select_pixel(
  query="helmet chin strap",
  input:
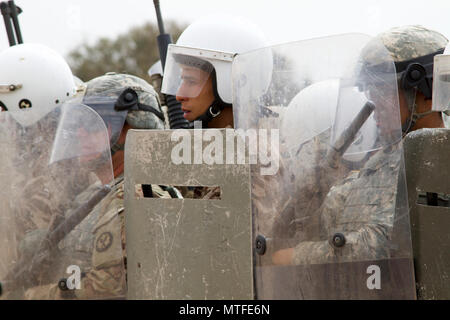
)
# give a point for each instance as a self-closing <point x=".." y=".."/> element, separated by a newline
<point x="117" y="147"/>
<point x="411" y="122"/>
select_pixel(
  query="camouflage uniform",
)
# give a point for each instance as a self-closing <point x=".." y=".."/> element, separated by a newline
<point x="104" y="229"/>
<point x="206" y="193"/>
<point x="106" y="277"/>
<point x="47" y="199"/>
<point x="310" y="184"/>
<point x="35" y="185"/>
<point x="362" y="208"/>
<point x="313" y="182"/>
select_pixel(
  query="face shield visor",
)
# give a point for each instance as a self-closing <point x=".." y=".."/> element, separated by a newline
<point x="441" y="83"/>
<point x="112" y="106"/>
<point x="188" y="70"/>
<point x="81" y="134"/>
<point x="379" y="84"/>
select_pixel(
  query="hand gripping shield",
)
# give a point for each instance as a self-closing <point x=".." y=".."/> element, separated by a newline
<point x="333" y="222"/>
<point x="56" y="184"/>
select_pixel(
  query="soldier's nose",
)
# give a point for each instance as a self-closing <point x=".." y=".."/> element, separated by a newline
<point x="181" y="98"/>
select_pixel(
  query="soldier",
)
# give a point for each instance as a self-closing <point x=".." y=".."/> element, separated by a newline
<point x="362" y="217"/>
<point x="198" y="67"/>
<point x="415" y="108"/>
<point x="49" y="197"/>
<point x="198" y="73"/>
<point x="124" y="102"/>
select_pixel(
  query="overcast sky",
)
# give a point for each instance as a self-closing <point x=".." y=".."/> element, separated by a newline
<point x="64" y="24"/>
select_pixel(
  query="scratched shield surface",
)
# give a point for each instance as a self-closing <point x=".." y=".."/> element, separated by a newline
<point x="55" y="189"/>
<point x="186" y="248"/>
<point x="333" y="222"/>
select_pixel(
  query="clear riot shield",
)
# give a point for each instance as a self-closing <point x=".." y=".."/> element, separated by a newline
<point x="332" y="222"/>
<point x="56" y="177"/>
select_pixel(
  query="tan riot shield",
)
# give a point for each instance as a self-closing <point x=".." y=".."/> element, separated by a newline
<point x="58" y="177"/>
<point x="428" y="177"/>
<point x="332" y="222"/>
<point x="187" y="248"/>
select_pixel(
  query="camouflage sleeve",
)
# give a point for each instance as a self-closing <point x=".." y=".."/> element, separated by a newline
<point x="367" y="243"/>
<point x="45" y="292"/>
<point x="161" y="191"/>
<point x="44" y="199"/>
<point x="313" y="176"/>
<point x="206" y="193"/>
<point x="362" y="210"/>
<point x="311" y="181"/>
<point x="156" y="82"/>
<point x="35" y="211"/>
<point x="107" y="278"/>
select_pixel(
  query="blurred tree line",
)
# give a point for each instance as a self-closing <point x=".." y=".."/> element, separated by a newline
<point x="133" y="52"/>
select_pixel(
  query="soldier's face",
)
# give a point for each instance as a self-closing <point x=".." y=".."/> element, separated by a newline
<point x="386" y="112"/>
<point x="195" y="92"/>
<point x="92" y="144"/>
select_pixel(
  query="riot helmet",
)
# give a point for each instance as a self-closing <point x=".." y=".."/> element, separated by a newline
<point x="206" y="50"/>
<point x="120" y="98"/>
<point x="34" y="80"/>
<point x="413" y="49"/>
<point x="313" y="111"/>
